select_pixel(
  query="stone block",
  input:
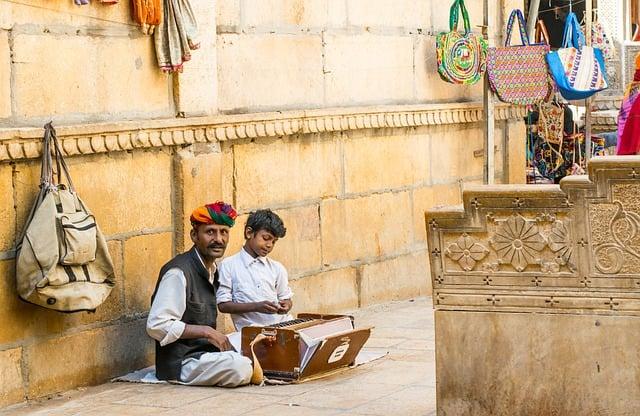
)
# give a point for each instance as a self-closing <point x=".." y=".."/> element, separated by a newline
<point x="429" y="87"/>
<point x="285" y="13"/>
<point x="538" y="364"/>
<point x="258" y="72"/>
<point x="400" y="278"/>
<point x="22" y="16"/>
<point x="300" y="250"/>
<point x="236" y="236"/>
<point x="126" y="192"/>
<point x="516" y="130"/>
<point x="34" y="321"/>
<point x="227" y="14"/>
<point x="5" y="75"/>
<point x="228" y="186"/>
<point x="198" y="177"/>
<point x="385" y="159"/>
<point x="196" y="87"/>
<point x="361" y="69"/>
<point x="7" y="211"/>
<point x="430" y="197"/>
<point x="452" y="145"/>
<point x="440" y="16"/>
<point x="87" y="358"/>
<point x="328" y="292"/>
<point x="11" y="388"/>
<point x="100" y="77"/>
<point x="282" y="171"/>
<point x="143" y="257"/>
<point x="409" y="14"/>
<point x="365" y="228"/>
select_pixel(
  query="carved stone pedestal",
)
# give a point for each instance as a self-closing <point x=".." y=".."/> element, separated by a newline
<point x="537" y="296"/>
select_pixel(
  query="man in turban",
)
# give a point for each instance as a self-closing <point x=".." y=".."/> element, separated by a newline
<point x="182" y="319"/>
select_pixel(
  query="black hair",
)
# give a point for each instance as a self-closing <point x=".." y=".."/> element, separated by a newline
<point x="265" y="219"/>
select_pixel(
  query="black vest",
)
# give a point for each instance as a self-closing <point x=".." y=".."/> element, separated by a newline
<point x="201" y="309"/>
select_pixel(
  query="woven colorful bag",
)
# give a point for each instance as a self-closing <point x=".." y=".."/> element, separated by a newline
<point x="462" y="57"/>
<point x="578" y="69"/>
<point x="518" y="74"/>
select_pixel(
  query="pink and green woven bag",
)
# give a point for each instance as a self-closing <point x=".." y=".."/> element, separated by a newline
<point x="518" y="74"/>
<point x="461" y="56"/>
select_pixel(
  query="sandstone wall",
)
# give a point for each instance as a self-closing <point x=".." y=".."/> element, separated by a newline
<point x="85" y="64"/>
<point x="352" y="198"/>
<point x="351" y="154"/>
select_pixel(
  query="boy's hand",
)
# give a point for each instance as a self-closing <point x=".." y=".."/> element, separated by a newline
<point x="266" y="307"/>
<point x="284" y="306"/>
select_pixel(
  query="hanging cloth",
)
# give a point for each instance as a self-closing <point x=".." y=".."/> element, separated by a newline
<point x="175" y="37"/>
<point x="629" y="117"/>
<point x="147" y="14"/>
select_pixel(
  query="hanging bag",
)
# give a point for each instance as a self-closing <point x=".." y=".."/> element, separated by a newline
<point x="461" y="56"/>
<point x="518" y="74"/>
<point x="551" y="122"/>
<point x="62" y="259"/>
<point x="577" y="69"/>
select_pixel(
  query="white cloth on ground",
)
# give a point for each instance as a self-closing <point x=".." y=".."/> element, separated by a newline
<point x="245" y="279"/>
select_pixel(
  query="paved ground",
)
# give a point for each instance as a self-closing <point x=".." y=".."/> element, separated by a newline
<point x="403" y="383"/>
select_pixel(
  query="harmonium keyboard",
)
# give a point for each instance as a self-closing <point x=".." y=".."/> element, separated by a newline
<point x="307" y="347"/>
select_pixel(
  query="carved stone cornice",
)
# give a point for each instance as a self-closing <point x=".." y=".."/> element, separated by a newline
<point x="24" y="143"/>
<point x="573" y="248"/>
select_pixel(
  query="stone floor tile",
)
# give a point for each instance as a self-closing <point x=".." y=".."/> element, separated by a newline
<point x="374" y="342"/>
<point x="408" y="401"/>
<point x="227" y="404"/>
<point x="401" y="333"/>
<point x="280" y="409"/>
<point x="343" y="395"/>
<point x="171" y="396"/>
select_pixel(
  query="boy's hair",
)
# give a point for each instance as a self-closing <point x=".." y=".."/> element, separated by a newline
<point x="265" y="219"/>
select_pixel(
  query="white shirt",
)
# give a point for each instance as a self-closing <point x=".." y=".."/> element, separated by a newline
<point x="163" y="323"/>
<point x="244" y="279"/>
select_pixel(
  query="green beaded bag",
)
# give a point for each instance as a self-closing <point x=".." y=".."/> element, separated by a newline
<point x="462" y="57"/>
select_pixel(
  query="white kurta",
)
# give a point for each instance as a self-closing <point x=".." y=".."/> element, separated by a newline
<point x="227" y="369"/>
<point x="245" y="279"/>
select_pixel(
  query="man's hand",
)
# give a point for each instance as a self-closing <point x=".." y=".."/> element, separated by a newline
<point x="266" y="307"/>
<point x="218" y="339"/>
<point x="284" y="306"/>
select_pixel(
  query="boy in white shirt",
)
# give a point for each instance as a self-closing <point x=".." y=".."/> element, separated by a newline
<point x="254" y="289"/>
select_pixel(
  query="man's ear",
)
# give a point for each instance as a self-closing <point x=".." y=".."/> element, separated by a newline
<point x="248" y="233"/>
<point x="194" y="234"/>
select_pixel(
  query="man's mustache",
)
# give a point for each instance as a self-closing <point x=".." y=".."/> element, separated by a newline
<point x="216" y="246"/>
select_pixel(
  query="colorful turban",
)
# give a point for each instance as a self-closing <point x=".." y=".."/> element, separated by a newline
<point x="217" y="213"/>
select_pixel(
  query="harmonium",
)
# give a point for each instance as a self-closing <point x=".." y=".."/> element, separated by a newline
<point x="310" y="346"/>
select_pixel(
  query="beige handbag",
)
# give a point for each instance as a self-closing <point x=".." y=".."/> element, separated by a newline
<point x="62" y="259"/>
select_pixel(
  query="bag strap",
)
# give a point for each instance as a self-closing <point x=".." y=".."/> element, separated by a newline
<point x="61" y="164"/>
<point x="517" y="13"/>
<point x="453" y="17"/>
<point x="572" y="33"/>
<point x="542" y="35"/>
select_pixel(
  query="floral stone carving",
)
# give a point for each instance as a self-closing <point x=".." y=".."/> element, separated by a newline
<point x="560" y="243"/>
<point x="624" y="226"/>
<point x="518" y="242"/>
<point x="466" y="252"/>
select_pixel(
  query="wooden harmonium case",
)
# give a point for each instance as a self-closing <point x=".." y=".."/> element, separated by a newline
<point x="307" y="347"/>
